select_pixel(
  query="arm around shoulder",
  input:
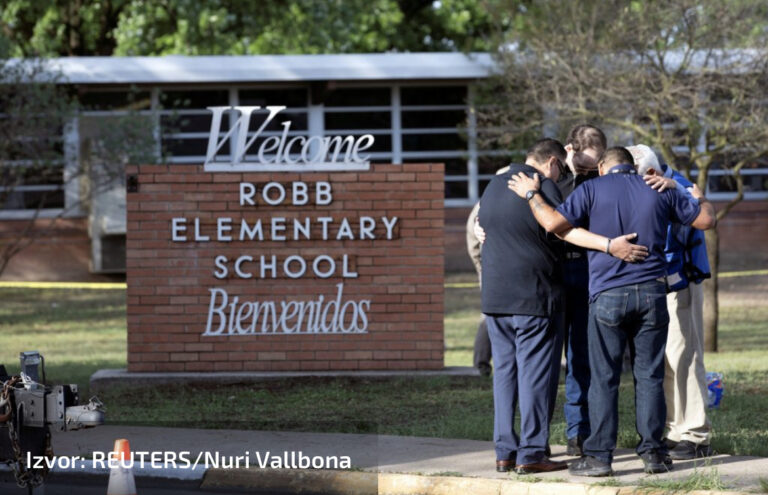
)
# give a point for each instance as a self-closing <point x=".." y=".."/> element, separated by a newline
<point x="550" y="219"/>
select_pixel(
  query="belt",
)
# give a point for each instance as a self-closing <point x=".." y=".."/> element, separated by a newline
<point x="573" y="255"/>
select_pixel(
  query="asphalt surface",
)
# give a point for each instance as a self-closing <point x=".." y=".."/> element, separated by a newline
<point x="382" y="453"/>
<point x="448" y="461"/>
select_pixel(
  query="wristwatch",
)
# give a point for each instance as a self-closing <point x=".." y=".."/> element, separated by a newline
<point x="530" y="194"/>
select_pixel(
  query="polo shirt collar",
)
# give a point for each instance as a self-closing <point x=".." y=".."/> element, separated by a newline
<point x="624" y="168"/>
<point x="667" y="170"/>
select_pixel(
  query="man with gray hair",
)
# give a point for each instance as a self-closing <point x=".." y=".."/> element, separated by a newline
<point x="685" y="386"/>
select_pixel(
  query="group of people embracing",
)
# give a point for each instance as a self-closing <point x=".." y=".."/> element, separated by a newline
<point x="597" y="249"/>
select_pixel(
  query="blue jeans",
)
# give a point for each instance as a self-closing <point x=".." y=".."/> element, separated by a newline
<point x="577" y="358"/>
<point x="634" y="314"/>
<point x="522" y="348"/>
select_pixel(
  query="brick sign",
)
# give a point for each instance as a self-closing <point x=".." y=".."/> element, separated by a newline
<point x="251" y="271"/>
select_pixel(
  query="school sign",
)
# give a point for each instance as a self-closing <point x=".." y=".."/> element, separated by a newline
<point x="284" y="252"/>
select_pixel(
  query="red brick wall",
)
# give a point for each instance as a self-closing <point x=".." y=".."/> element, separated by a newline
<point x="58" y="250"/>
<point x="168" y="282"/>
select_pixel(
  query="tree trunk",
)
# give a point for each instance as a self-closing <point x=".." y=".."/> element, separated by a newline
<point x="711" y="308"/>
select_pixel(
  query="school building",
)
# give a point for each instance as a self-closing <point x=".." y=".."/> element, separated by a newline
<point x="419" y="107"/>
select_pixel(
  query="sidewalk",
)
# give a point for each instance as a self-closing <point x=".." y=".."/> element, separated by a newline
<point x="467" y="465"/>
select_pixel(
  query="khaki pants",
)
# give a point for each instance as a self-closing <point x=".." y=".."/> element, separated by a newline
<point x="685" y="385"/>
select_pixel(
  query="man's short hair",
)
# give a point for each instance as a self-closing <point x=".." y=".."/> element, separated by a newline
<point x="544" y="148"/>
<point x="617" y="156"/>
<point x="645" y="159"/>
<point x="585" y="136"/>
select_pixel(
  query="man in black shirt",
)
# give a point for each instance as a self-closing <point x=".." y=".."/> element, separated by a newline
<point x="521" y="292"/>
<point x="584" y="146"/>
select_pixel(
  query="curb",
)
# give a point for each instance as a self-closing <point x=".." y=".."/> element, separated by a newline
<point x="329" y="482"/>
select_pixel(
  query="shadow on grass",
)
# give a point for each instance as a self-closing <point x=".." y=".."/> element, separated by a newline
<point x="92" y="311"/>
<point x="456" y="407"/>
<point x="42" y="308"/>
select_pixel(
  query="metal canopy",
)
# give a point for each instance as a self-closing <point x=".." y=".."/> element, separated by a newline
<point x="272" y="68"/>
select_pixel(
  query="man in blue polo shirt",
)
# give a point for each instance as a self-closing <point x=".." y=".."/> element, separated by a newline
<point x="627" y="300"/>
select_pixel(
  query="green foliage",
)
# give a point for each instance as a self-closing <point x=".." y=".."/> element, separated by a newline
<point x="233" y="27"/>
<point x="528" y="478"/>
<point x="608" y="482"/>
<point x="698" y="480"/>
<point x="447" y="474"/>
<point x="763" y="485"/>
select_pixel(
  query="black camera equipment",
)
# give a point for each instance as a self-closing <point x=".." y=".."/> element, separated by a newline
<point x="30" y="410"/>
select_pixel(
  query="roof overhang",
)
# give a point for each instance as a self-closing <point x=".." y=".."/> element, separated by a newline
<point x="272" y="68"/>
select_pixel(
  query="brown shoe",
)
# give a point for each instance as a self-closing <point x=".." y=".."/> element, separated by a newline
<point x="505" y="466"/>
<point x="543" y="466"/>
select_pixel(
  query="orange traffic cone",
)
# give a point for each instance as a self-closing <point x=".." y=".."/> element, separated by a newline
<point x="121" y="480"/>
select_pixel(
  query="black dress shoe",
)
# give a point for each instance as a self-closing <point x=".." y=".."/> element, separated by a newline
<point x="543" y="466"/>
<point x="506" y="465"/>
<point x="574" y="446"/>
<point x="590" y="466"/>
<point x="655" y="462"/>
<point x="671" y="444"/>
<point x="687" y="450"/>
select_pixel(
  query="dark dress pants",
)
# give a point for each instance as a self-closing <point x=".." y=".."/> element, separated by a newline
<point x="634" y="314"/>
<point x="522" y="348"/>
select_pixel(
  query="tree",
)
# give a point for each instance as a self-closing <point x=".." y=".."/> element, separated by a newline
<point x="36" y="111"/>
<point x="687" y="78"/>
<point x="33" y="115"/>
<point x="234" y="27"/>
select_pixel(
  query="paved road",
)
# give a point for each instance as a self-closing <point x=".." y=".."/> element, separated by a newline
<point x="465" y="460"/>
<point x="386" y="453"/>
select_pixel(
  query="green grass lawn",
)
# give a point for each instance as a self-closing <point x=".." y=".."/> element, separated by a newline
<point x="80" y="331"/>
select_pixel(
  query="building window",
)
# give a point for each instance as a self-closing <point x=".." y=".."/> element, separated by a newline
<point x="32" y="187"/>
<point x="436" y="129"/>
<point x="32" y="176"/>
<point x="185" y="123"/>
<point x="722" y="184"/>
<point x="354" y="111"/>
